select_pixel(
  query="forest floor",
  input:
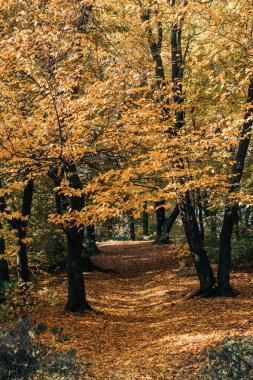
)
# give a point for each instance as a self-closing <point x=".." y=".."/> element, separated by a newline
<point x="143" y="325"/>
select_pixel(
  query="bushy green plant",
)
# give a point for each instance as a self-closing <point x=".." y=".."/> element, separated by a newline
<point x="17" y="298"/>
<point x="49" y="254"/>
<point x="242" y="248"/>
<point x="234" y="361"/>
<point x="22" y="357"/>
<point x="212" y="244"/>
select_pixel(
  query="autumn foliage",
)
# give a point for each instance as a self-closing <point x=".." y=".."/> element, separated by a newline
<point x="118" y="113"/>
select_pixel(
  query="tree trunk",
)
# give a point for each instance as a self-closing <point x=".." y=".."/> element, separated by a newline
<point x="75" y="238"/>
<point x="145" y="221"/>
<point x="155" y="45"/>
<point x="89" y="266"/>
<point x="22" y="259"/>
<point x="92" y="248"/>
<point x="160" y="221"/>
<point x="237" y="219"/>
<point x="224" y="287"/>
<point x="155" y="38"/>
<point x="131" y="228"/>
<point x="187" y="211"/>
<point x="2" y="244"/>
<point x="76" y="288"/>
<point x="87" y="263"/>
<point x="168" y="225"/>
<point x="200" y="215"/>
<point x="4" y="277"/>
<point x="4" y="271"/>
<point x="198" y="252"/>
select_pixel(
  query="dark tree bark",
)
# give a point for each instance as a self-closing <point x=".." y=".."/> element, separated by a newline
<point x="21" y="227"/>
<point x="177" y="71"/>
<point x="160" y="220"/>
<point x="237" y="219"/>
<point x="92" y="248"/>
<point x="187" y="211"/>
<point x="200" y="215"/>
<point x="89" y="266"/>
<point x="210" y="216"/>
<point x="224" y="287"/>
<point x="155" y="45"/>
<point x="145" y="226"/>
<point x="77" y="301"/>
<point x="172" y="218"/>
<point x="4" y="277"/>
<point x="75" y="238"/>
<point x="22" y="258"/>
<point x="4" y="271"/>
<point x="163" y="224"/>
<point x="131" y="228"/>
<point x="2" y="244"/>
<point x="76" y="288"/>
<point x="84" y="19"/>
<point x="155" y="39"/>
<point x="197" y="249"/>
<point x="169" y="222"/>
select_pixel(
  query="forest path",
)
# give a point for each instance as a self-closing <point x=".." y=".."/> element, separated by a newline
<point x="144" y="326"/>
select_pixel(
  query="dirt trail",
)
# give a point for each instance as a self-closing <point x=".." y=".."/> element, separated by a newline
<point x="144" y="326"/>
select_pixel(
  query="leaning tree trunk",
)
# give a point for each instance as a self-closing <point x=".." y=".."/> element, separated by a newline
<point x="195" y="242"/>
<point x="187" y="211"/>
<point x="237" y="220"/>
<point x="165" y="239"/>
<point x="224" y="287"/>
<point x="200" y="215"/>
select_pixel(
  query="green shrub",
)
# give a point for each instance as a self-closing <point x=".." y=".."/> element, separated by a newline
<point x="16" y="298"/>
<point x="242" y="248"/>
<point x="49" y="253"/>
<point x="21" y="357"/>
<point x="234" y="361"/>
<point x="212" y="244"/>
